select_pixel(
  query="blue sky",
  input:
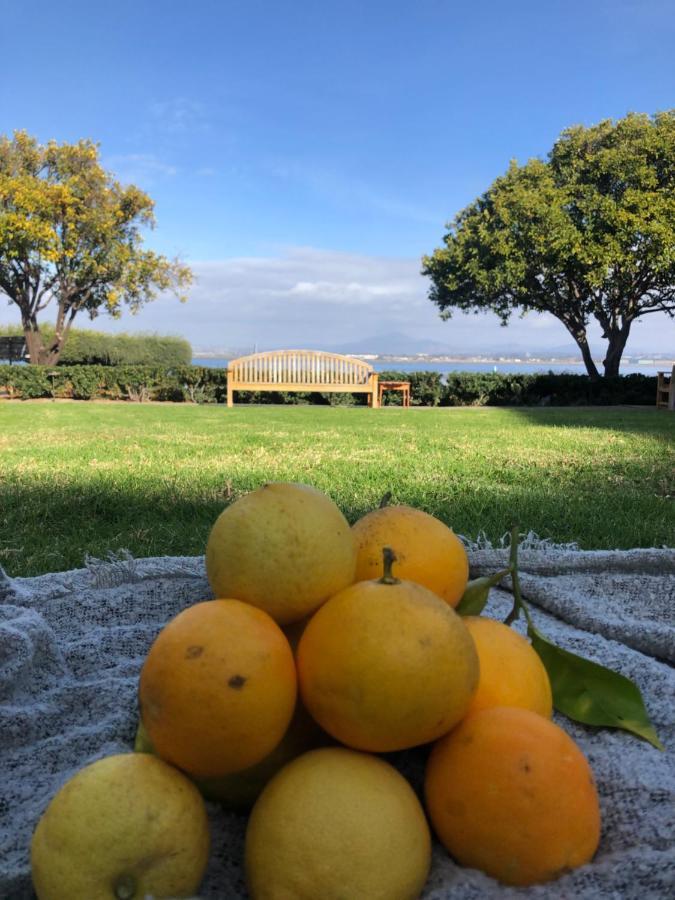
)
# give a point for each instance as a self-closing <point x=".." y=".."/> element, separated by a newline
<point x="303" y="155"/>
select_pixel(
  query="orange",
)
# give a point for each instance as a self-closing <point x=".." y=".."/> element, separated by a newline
<point x="240" y="790"/>
<point x="335" y="824"/>
<point x="511" y="672"/>
<point x="285" y="548"/>
<point x="383" y="666"/>
<point x="510" y="793"/>
<point x="427" y="551"/>
<point x="218" y="688"/>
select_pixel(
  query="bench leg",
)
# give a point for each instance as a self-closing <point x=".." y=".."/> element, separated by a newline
<point x="230" y="396"/>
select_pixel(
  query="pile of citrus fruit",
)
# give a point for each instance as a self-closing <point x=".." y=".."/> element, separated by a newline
<point x="325" y="646"/>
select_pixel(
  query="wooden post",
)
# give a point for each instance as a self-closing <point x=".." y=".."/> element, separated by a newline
<point x="375" y="394"/>
<point x="230" y="391"/>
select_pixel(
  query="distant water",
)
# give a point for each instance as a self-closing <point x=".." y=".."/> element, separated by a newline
<point x="503" y="368"/>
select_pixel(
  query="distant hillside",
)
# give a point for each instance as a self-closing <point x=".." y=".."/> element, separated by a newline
<point x="392" y="344"/>
<point x="397" y="343"/>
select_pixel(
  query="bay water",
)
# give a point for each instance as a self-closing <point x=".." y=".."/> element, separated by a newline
<point x="504" y="368"/>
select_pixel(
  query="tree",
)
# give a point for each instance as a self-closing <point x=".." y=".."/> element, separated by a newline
<point x="590" y="232"/>
<point x="70" y="238"/>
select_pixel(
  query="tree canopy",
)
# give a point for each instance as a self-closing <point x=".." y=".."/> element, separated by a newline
<point x="587" y="233"/>
<point x="70" y="238"/>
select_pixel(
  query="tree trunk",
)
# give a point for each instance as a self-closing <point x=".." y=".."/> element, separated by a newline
<point x="34" y="343"/>
<point x="582" y="343"/>
<point x="38" y="353"/>
<point x="616" y="344"/>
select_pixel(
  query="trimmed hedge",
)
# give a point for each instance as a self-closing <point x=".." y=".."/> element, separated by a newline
<point x="84" y="347"/>
<point x="198" y="384"/>
<point x="426" y="388"/>
<point x="495" y="389"/>
<point x="203" y="384"/>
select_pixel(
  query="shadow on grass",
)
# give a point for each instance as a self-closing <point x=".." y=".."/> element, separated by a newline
<point x="648" y="421"/>
<point x="49" y="528"/>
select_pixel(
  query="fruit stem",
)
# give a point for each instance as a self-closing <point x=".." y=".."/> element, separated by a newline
<point x="388" y="558"/>
<point x="125" y="887"/>
<point x="385" y="500"/>
<point x="518" y="602"/>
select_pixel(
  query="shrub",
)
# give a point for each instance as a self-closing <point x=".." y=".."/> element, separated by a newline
<point x="495" y="389"/>
<point x="426" y="388"/>
<point x="202" y="384"/>
<point x="85" y="347"/>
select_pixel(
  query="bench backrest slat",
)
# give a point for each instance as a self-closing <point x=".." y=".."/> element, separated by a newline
<point x="299" y="367"/>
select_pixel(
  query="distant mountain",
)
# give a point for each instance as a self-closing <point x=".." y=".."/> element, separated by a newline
<point x="523" y="351"/>
<point x="393" y="344"/>
<point x="397" y="343"/>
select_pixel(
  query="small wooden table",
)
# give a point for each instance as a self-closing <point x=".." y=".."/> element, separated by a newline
<point x="402" y="386"/>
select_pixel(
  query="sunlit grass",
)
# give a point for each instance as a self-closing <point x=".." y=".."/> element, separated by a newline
<point x="86" y="478"/>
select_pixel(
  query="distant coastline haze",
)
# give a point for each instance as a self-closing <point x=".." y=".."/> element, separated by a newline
<point x="319" y="299"/>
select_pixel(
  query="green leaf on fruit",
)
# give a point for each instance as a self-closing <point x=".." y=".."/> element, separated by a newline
<point x="477" y="592"/>
<point x="583" y="690"/>
<point x="592" y="694"/>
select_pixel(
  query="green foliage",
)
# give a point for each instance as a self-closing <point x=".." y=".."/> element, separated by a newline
<point x="197" y="384"/>
<point x="70" y="235"/>
<point x="92" y="347"/>
<point x="583" y="690"/>
<point x="477" y="593"/>
<point x="426" y="388"/>
<point x="495" y="389"/>
<point x="587" y="692"/>
<point x="589" y="233"/>
<point x="87" y="347"/>
<point x="203" y="384"/>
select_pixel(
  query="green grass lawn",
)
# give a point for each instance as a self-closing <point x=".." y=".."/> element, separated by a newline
<point x="87" y="478"/>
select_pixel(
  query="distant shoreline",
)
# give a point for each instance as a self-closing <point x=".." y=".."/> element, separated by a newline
<point x="418" y="359"/>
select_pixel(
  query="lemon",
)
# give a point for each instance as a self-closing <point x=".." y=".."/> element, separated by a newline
<point x="284" y="548"/>
<point x="336" y="824"/>
<point x="126" y="826"/>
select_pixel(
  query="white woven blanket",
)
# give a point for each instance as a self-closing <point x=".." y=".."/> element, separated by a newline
<point x="72" y="645"/>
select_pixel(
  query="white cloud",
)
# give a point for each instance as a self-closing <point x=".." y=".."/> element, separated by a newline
<point x="307" y="297"/>
<point x="542" y="322"/>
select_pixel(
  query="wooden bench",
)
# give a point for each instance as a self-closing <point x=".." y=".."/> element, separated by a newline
<point x="13" y="349"/>
<point x="665" y="390"/>
<point x="301" y="370"/>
